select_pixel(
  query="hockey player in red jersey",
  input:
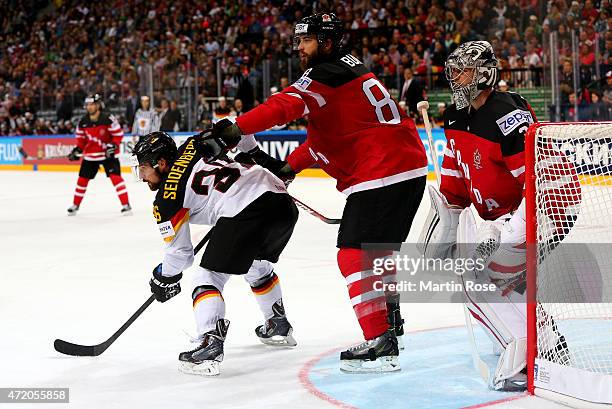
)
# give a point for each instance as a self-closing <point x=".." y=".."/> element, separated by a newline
<point x="484" y="166"/>
<point x="358" y="135"/>
<point x="98" y="136"/>
<point x="253" y="219"/>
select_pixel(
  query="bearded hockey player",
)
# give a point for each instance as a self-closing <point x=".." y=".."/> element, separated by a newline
<point x="253" y="219"/>
<point x="484" y="166"/>
<point x="358" y="135"/>
<point x="98" y="136"/>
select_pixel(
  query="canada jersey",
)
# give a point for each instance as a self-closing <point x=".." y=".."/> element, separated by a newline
<point x="484" y="159"/>
<point x="93" y="136"/>
<point x="356" y="131"/>
<point x="199" y="192"/>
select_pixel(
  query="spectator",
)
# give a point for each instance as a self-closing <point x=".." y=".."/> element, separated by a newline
<point x="411" y="92"/>
<point x="64" y="108"/>
<point x="131" y="105"/>
<point x="238" y="110"/>
<point x="607" y="90"/>
<point x="438" y="117"/>
<point x="221" y="111"/>
<point x="566" y="83"/>
<point x="169" y="118"/>
<point x="599" y="111"/>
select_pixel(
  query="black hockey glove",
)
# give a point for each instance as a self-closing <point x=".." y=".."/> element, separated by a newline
<point x="227" y="132"/>
<point x="109" y="150"/>
<point x="278" y="167"/>
<point x="164" y="288"/>
<point x="75" y="153"/>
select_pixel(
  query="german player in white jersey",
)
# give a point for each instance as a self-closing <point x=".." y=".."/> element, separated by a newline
<point x="484" y="166"/>
<point x="253" y="219"/>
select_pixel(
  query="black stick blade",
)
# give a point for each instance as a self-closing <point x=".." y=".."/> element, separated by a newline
<point x="68" y="348"/>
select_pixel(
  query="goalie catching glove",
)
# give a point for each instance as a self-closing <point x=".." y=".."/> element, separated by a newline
<point x="499" y="244"/>
<point x="164" y="287"/>
<point x="439" y="234"/>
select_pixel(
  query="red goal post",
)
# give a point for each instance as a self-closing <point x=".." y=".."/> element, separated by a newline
<point x="568" y="182"/>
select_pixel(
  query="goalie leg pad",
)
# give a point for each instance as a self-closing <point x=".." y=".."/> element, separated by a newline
<point x="440" y="229"/>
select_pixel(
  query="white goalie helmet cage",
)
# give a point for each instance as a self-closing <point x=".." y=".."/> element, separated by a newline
<point x="473" y="55"/>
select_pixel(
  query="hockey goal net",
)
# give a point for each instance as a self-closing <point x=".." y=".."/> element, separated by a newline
<point x="569" y="262"/>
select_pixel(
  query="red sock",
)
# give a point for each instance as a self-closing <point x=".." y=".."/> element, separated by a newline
<point x="80" y="190"/>
<point x="119" y="184"/>
<point x="369" y="304"/>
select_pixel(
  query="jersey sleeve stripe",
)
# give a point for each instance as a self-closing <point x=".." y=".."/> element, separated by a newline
<point x="450" y="172"/>
<point x="317" y="97"/>
<point x="180" y="218"/>
<point x="306" y="110"/>
<point x="517" y="172"/>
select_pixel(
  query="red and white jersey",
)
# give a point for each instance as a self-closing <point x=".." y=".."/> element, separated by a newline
<point x="356" y="131"/>
<point x="199" y="192"/>
<point x="484" y="159"/>
<point x="92" y="137"/>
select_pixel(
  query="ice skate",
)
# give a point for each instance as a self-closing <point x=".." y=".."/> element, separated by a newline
<point x="376" y="355"/>
<point x="395" y="319"/>
<point x="276" y="331"/>
<point x="126" y="209"/>
<point x="72" y="210"/>
<point x="205" y="359"/>
<point x="516" y="383"/>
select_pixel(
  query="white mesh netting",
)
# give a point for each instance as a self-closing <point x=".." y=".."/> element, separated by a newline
<point x="573" y="207"/>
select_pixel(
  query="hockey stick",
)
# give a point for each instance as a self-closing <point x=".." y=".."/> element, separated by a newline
<point x="25" y="155"/>
<point x="481" y="367"/>
<point x="315" y="213"/>
<point x="68" y="348"/>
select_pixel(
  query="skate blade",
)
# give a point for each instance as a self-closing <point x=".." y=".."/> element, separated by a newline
<point x="380" y="365"/>
<point x="280" y="340"/>
<point x="400" y="342"/>
<point x="127" y="213"/>
<point x="206" y="368"/>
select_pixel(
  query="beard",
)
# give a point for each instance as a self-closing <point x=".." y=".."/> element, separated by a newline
<point x="309" y="61"/>
<point x="154" y="186"/>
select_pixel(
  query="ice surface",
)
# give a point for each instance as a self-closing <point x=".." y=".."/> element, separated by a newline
<point x="79" y="278"/>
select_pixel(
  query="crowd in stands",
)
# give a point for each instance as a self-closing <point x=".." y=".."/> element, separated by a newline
<point x="56" y="52"/>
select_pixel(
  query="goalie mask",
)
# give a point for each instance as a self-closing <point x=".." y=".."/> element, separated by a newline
<point x="470" y="69"/>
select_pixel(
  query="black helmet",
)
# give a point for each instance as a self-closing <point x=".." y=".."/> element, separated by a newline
<point x="150" y="148"/>
<point x="324" y="25"/>
<point x="94" y="99"/>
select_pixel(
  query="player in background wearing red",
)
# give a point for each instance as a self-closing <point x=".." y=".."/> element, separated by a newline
<point x="484" y="166"/>
<point x="98" y="136"/>
<point x="358" y="135"/>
